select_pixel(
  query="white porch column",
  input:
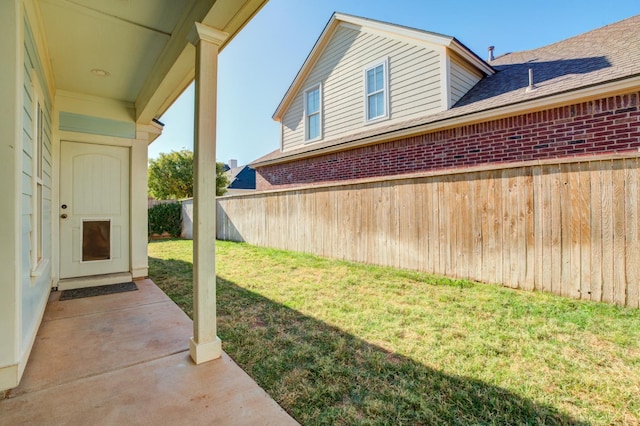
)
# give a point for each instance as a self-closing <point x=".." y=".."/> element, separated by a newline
<point x="205" y="344"/>
<point x="145" y="134"/>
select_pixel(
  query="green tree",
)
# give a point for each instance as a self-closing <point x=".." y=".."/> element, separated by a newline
<point x="222" y="181"/>
<point x="171" y="176"/>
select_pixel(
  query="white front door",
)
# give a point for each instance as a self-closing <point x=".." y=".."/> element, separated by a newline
<point x="94" y="209"/>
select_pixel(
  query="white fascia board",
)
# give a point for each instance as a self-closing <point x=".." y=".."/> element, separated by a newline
<point x="417" y="35"/>
<point x="306" y="67"/>
<point x="445" y="79"/>
<point x="470" y="57"/>
<point x="386" y="29"/>
<point x="394" y="30"/>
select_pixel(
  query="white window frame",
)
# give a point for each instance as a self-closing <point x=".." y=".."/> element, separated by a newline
<point x="317" y="86"/>
<point x="385" y="69"/>
<point x="38" y="261"/>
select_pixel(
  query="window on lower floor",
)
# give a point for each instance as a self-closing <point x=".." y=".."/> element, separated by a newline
<point x="37" y="179"/>
<point x="39" y="145"/>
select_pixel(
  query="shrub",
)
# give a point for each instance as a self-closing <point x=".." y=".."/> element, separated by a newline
<point x="165" y="218"/>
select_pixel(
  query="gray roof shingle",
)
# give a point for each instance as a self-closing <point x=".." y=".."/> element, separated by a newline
<point x="595" y="57"/>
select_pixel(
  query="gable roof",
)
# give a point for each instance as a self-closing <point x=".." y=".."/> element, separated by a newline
<point x="601" y="61"/>
<point x="243" y="177"/>
<point x="337" y="19"/>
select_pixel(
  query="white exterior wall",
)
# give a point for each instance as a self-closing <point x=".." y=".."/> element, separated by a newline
<point x="26" y="283"/>
<point x="463" y="78"/>
<point x="24" y="288"/>
<point x="414" y="75"/>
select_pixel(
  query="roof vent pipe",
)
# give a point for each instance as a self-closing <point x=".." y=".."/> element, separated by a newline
<point x="491" y="58"/>
<point x="531" y="86"/>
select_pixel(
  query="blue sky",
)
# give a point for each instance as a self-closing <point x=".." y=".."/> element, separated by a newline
<point x="257" y="67"/>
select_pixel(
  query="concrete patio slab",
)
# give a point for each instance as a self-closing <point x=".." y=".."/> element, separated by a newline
<point x="170" y="390"/>
<point x="123" y="359"/>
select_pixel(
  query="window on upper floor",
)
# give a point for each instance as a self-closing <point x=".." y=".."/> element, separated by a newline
<point x="313" y="113"/>
<point x="376" y="91"/>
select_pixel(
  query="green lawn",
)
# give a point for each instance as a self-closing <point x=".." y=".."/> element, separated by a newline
<point x="343" y="343"/>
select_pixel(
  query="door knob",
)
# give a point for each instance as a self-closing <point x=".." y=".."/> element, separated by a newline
<point x="63" y="216"/>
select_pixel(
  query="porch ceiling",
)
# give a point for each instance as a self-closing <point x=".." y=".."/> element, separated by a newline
<point x="141" y="44"/>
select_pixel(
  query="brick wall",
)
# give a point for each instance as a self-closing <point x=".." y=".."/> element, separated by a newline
<point x="600" y="126"/>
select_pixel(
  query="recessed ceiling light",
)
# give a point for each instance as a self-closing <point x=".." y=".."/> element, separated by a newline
<point x="100" y="73"/>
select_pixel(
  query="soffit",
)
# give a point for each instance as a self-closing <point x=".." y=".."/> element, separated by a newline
<point x="141" y="44"/>
<point x="121" y="37"/>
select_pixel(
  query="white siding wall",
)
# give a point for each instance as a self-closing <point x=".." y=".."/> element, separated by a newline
<point x="463" y="78"/>
<point x="414" y="73"/>
<point x="34" y="290"/>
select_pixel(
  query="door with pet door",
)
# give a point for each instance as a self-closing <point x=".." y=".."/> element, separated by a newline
<point x="94" y="209"/>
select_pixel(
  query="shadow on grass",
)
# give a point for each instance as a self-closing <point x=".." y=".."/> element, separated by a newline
<point x="322" y="375"/>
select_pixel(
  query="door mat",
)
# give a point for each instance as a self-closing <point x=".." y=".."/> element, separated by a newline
<point x="79" y="293"/>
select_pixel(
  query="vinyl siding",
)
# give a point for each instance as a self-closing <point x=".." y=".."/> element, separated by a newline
<point x="463" y="78"/>
<point x="414" y="76"/>
<point x="34" y="289"/>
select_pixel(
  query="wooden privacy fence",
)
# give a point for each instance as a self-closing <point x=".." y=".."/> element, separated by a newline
<point x="569" y="228"/>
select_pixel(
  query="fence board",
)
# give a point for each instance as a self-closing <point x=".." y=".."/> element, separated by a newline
<point x="507" y="228"/>
<point x="538" y="217"/>
<point x="528" y="282"/>
<point x="556" y="231"/>
<point x="434" y="225"/>
<point x="607" y="233"/>
<point x="632" y="234"/>
<point x="492" y="256"/>
<point x="443" y="226"/>
<point x="584" y="202"/>
<point x="570" y="228"/>
<point x="518" y="255"/>
<point x="619" y="267"/>
<point x="564" y="201"/>
<point x="447" y="226"/>
<point x="512" y="212"/>
<point x="547" y="186"/>
<point x="334" y="225"/>
<point x="476" y="210"/>
<point x="422" y="213"/>
<point x="575" y="230"/>
<point x="462" y="230"/>
<point x="596" y="230"/>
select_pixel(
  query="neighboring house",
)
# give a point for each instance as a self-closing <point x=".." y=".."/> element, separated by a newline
<point x="376" y="99"/>
<point x="242" y="179"/>
<point x="81" y="84"/>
